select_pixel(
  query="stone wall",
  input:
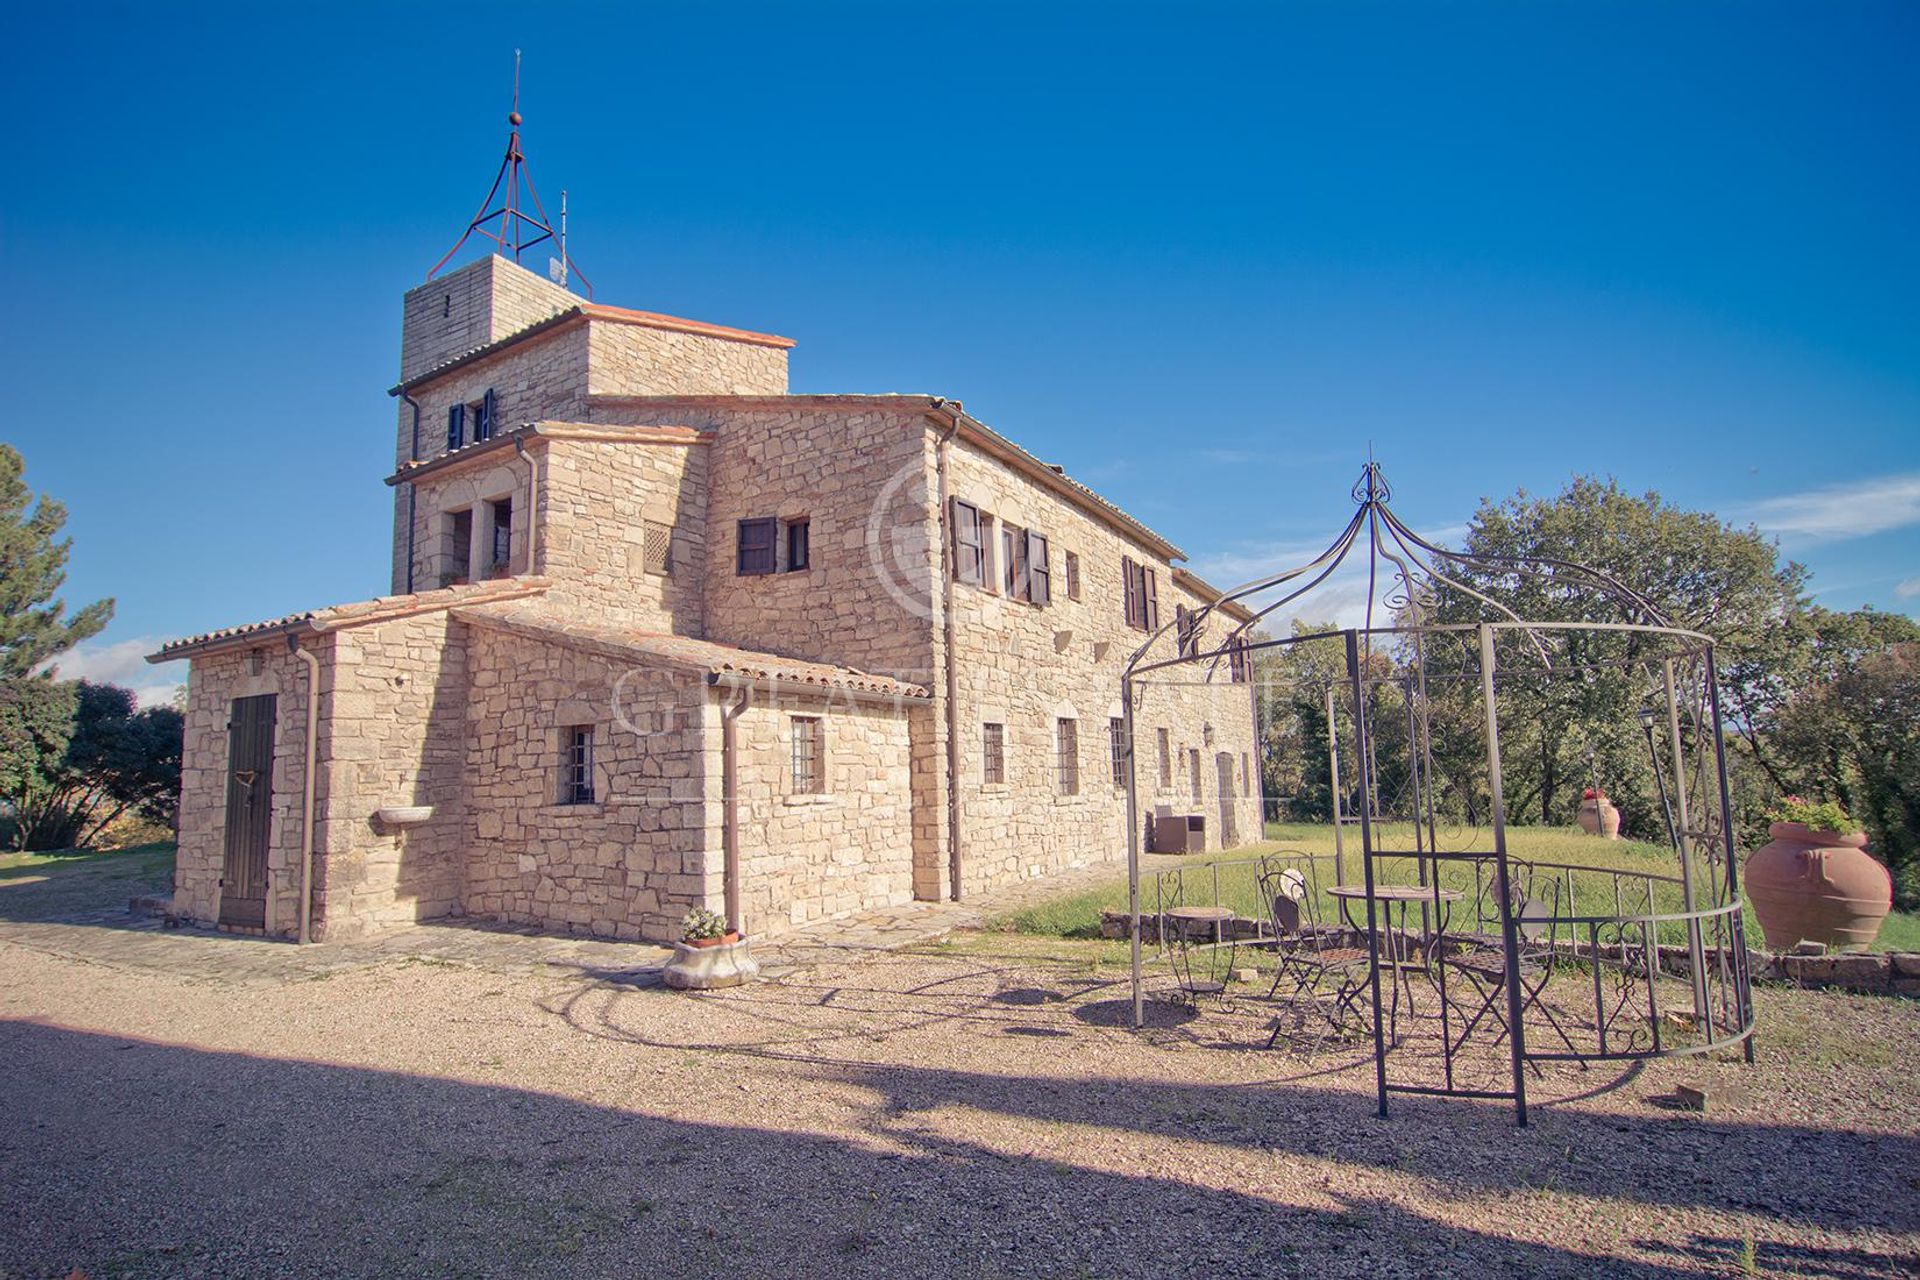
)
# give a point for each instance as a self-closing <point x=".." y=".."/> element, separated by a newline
<point x="634" y="359"/>
<point x="541" y="379"/>
<point x="627" y="865"/>
<point x="809" y="857"/>
<point x="1027" y="668"/>
<point x="396" y="713"/>
<point x="471" y="306"/>
<point x="596" y="501"/>
<point x="213" y="682"/>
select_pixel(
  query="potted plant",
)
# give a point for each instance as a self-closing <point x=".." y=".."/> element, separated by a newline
<point x="709" y="954"/>
<point x="1815" y="881"/>
<point x="1597" y="815"/>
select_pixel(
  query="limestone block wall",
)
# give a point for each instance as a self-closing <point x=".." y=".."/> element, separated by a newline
<point x="1026" y="668"/>
<point x="809" y="857"/>
<point x="861" y="476"/>
<point x="633" y="359"/>
<point x="213" y="682"/>
<point x="596" y="503"/>
<point x="543" y="378"/>
<point x="436" y="497"/>
<point x="475" y="304"/>
<point x="627" y="865"/>
<point x="396" y="715"/>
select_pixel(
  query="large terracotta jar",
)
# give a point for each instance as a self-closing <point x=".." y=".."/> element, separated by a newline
<point x="1599" y="818"/>
<point x="1817" y="886"/>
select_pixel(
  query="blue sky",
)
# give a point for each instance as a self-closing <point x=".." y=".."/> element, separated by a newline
<point x="1206" y="256"/>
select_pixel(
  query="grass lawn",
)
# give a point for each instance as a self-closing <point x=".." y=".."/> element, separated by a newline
<point x="1230" y="879"/>
<point x="36" y="886"/>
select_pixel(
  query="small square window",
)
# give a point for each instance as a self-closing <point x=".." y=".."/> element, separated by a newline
<point x="1073" y="576"/>
<point x="657" y="547"/>
<point x="809" y="761"/>
<point x="798" y="545"/>
<point x="993" y="753"/>
<point x="576" y="765"/>
<point x="1069" y="757"/>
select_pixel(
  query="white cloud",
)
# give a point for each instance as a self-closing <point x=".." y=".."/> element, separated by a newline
<point x="1907" y="590"/>
<point x="123" y="662"/>
<point x="1842" y="510"/>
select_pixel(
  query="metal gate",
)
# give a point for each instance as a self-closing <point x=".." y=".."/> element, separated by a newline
<point x="243" y="884"/>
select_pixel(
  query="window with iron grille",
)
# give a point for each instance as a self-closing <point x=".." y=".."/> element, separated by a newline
<point x="1069" y="753"/>
<point x="756" y="546"/>
<point x="993" y="753"/>
<point x="657" y="547"/>
<point x="969" y="549"/>
<point x="809" y="759"/>
<point x="1166" y="760"/>
<point x="1193" y="768"/>
<point x="1073" y="576"/>
<point x="500" y="554"/>
<point x="576" y="770"/>
<point x="459" y="546"/>
<point x="1117" y="734"/>
<point x="799" y="549"/>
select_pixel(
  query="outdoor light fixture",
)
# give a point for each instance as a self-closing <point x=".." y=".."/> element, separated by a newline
<point x="1649" y="720"/>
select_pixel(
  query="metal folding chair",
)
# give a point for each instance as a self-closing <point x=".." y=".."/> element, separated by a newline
<point x="1308" y="961"/>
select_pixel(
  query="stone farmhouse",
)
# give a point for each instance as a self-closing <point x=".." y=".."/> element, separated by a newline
<point x="664" y="635"/>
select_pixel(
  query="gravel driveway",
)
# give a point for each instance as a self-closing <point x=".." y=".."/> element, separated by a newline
<point x="948" y="1112"/>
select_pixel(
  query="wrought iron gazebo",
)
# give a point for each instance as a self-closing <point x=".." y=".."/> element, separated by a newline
<point x="1642" y="964"/>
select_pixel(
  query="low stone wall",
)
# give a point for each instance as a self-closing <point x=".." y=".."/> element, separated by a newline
<point x="1872" y="972"/>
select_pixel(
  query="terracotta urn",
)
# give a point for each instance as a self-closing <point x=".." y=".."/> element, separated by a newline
<point x="1598" y="817"/>
<point x="1808" y="885"/>
<point x="709" y="963"/>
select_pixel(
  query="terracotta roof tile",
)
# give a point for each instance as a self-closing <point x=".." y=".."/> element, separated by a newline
<point x="358" y="613"/>
<point x="686" y="652"/>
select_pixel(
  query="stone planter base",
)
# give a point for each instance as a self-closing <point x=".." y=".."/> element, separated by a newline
<point x="707" y="968"/>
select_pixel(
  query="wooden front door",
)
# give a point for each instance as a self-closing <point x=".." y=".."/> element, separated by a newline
<point x="1228" y="836"/>
<point x="243" y="883"/>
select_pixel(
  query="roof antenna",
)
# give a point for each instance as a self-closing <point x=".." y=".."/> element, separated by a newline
<point x="507" y="224"/>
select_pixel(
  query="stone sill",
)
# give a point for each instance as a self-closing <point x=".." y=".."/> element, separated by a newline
<point x="811" y="798"/>
<point x="996" y="789"/>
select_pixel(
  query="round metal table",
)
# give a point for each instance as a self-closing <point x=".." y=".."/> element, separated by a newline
<point x="1191" y="920"/>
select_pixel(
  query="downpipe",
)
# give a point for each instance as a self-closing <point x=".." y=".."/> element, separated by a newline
<point x="954" y="850"/>
<point x="312" y="665"/>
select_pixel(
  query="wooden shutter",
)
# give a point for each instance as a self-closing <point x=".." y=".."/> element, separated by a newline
<point x="456" y="426"/>
<point x="1013" y="541"/>
<point x="756" y="546"/>
<point x="1182" y="631"/>
<point x="1039" y="572"/>
<point x="483" y="429"/>
<point x="1151" y="599"/>
<point x="969" y="556"/>
<point x="1129" y="599"/>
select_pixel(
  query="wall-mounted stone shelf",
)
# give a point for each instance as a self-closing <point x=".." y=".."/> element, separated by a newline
<point x="400" y="816"/>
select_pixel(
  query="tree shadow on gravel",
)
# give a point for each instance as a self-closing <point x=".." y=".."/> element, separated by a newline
<point x="131" y="1158"/>
<point x="1830" y="1177"/>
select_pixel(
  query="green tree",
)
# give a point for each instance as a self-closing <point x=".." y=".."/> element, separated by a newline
<point x="1856" y="739"/>
<point x="114" y="759"/>
<point x="33" y="567"/>
<point x="1561" y="727"/>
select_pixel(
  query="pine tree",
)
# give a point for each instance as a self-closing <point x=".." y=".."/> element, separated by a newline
<point x="33" y="567"/>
